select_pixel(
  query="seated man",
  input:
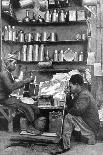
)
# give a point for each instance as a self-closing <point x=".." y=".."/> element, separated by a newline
<point x="82" y="113"/>
<point x="8" y="85"/>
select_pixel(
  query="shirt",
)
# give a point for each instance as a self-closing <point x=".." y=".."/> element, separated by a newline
<point x="84" y="105"/>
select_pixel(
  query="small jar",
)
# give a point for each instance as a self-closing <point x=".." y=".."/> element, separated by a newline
<point x="61" y="56"/>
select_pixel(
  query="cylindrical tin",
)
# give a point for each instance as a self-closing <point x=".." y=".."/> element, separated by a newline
<point x="37" y="36"/>
<point x="35" y="53"/>
<point x="54" y="16"/>
<point x="61" y="16"/>
<point x="47" y="16"/>
<point x="29" y="37"/>
<point x="14" y="37"/>
<point x="21" y="36"/>
<point x="6" y="33"/>
<point x="10" y="34"/>
<point x="44" y="36"/>
<point x="61" y="55"/>
<point x="30" y="53"/>
<point x="53" y="36"/>
<point x="55" y="55"/>
<point x="81" y="56"/>
<point x="41" y="53"/>
<point x="24" y="53"/>
<point x="26" y="3"/>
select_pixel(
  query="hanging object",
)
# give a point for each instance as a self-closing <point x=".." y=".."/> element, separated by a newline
<point x="90" y="2"/>
<point x="26" y="3"/>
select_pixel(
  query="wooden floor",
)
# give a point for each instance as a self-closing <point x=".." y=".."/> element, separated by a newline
<point x="76" y="148"/>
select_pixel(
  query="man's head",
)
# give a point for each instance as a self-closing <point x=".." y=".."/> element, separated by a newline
<point x="75" y="83"/>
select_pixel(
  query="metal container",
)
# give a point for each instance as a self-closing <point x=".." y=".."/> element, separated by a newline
<point x="55" y="55"/>
<point x="35" y="52"/>
<point x="47" y="16"/>
<point x="53" y="36"/>
<point x="24" y="53"/>
<point x="21" y="36"/>
<point x="61" y="56"/>
<point x="10" y="34"/>
<point x="44" y="36"/>
<point x="61" y="16"/>
<point x="41" y="53"/>
<point x="14" y="33"/>
<point x="5" y="5"/>
<point x="37" y="36"/>
<point x="26" y="3"/>
<point x="30" y="53"/>
<point x="6" y="33"/>
<point x="54" y="16"/>
<point x="29" y="37"/>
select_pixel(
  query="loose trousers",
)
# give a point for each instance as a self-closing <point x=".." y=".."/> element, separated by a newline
<point x="31" y="111"/>
<point x="71" y="123"/>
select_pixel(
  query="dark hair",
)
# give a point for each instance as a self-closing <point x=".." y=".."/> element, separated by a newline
<point x="77" y="79"/>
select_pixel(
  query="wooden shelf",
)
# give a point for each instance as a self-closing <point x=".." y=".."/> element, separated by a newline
<point x="56" y="66"/>
<point x="13" y="21"/>
<point x="49" y="43"/>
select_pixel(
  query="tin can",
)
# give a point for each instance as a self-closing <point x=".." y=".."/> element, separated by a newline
<point x="55" y="55"/>
<point x="41" y="53"/>
<point x="35" y="53"/>
<point x="24" y="53"/>
<point x="61" y="55"/>
<point x="30" y="53"/>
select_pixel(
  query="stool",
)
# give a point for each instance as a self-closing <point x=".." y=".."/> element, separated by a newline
<point x="7" y="114"/>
